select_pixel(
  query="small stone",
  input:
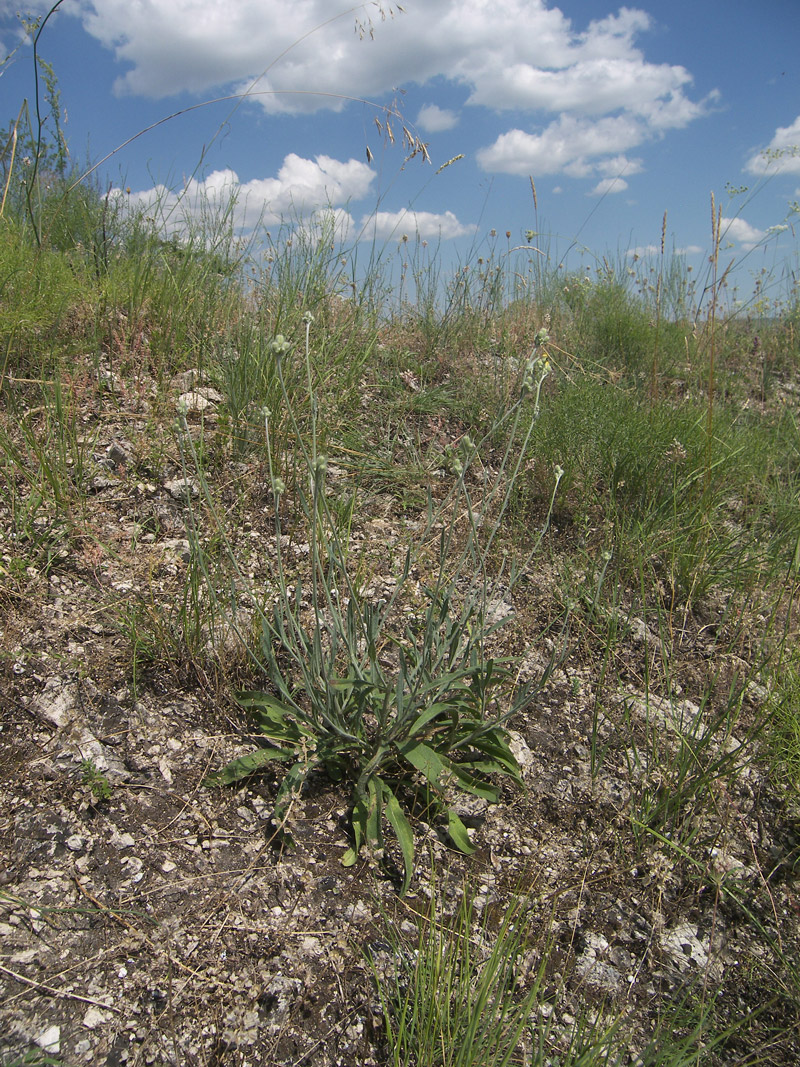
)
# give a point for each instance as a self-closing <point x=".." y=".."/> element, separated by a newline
<point x="198" y="400"/>
<point x="49" y="1040"/>
<point x="359" y="913"/>
<point x="28" y="955"/>
<point x="75" y="843"/>
<point x="187" y="380"/>
<point x="120" y="455"/>
<point x="56" y="703"/>
<point x="182" y="488"/>
<point x="520" y="750"/>
<point x="94" y="1017"/>
<point x="191" y="403"/>
<point x="104" y="481"/>
<point x="178" y="547"/>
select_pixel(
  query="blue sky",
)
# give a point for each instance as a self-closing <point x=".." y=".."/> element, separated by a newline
<point x="618" y="114"/>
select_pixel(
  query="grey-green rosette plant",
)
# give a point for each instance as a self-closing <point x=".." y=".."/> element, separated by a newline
<point x="407" y="738"/>
<point x="408" y="716"/>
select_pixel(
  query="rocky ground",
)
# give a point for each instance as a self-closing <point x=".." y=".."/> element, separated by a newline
<point x="146" y="919"/>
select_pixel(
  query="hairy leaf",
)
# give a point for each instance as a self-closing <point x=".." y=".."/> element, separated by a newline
<point x="403" y="832"/>
<point x="289" y="789"/>
<point x="245" y="765"/>
<point x="437" y="769"/>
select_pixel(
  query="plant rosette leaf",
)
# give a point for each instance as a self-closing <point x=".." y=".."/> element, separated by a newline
<point x="288" y="791"/>
<point x="276" y="720"/>
<point x="362" y="728"/>
<point x="490" y="754"/>
<point x="368" y="813"/>
<point x="442" y="772"/>
<point x="403" y="832"/>
<point x="358" y="822"/>
<point x="244" y="766"/>
<point x="458" y="833"/>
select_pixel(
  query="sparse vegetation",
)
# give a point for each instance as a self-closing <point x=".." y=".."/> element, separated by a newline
<point x="536" y="546"/>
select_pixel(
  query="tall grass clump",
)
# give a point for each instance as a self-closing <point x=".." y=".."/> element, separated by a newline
<point x="455" y="996"/>
<point x="472" y="988"/>
<point x="784" y="709"/>
<point x="149" y="302"/>
<point x="302" y="270"/>
<point x="702" y="512"/>
<point x="610" y="327"/>
<point x="155" y="285"/>
<point x="42" y="296"/>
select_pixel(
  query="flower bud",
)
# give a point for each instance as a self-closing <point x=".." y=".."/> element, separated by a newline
<point x="279" y="346"/>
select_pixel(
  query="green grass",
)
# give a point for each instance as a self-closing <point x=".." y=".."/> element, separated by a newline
<point x="472" y="989"/>
<point x="784" y="707"/>
<point x="454" y="996"/>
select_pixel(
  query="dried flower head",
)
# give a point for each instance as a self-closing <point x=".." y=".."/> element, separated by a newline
<point x="676" y="453"/>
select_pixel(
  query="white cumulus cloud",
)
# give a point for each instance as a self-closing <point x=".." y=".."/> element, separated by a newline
<point x="426" y="225"/>
<point x="609" y="185"/>
<point x="742" y="232"/>
<point x="643" y="251"/>
<point x="435" y="119"/>
<point x="571" y="144"/>
<point x="782" y="154"/>
<point x="302" y="187"/>
<point x="616" y="166"/>
<point x="584" y="91"/>
<point x="598" y="86"/>
<point x="303" y="192"/>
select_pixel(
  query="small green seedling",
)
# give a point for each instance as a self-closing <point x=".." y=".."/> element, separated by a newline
<point x="95" y="779"/>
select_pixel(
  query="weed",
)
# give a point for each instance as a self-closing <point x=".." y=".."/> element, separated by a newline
<point x="97" y="782"/>
<point x="470" y="991"/>
<point x="687" y="754"/>
<point x="404" y="714"/>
